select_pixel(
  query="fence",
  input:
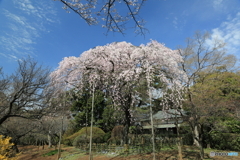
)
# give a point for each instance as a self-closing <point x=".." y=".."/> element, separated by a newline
<point x="102" y="148"/>
<point x="141" y="144"/>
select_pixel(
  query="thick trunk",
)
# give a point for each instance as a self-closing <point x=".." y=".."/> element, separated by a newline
<point x="179" y="142"/>
<point x="201" y="151"/>
<point x="198" y="139"/>
<point x="127" y="122"/>
<point x="125" y="137"/>
<point x="201" y="143"/>
<point x="197" y="129"/>
<point x="179" y="145"/>
<point x="15" y="148"/>
<point x="196" y="136"/>
<point x="43" y="143"/>
<point x="208" y="146"/>
<point x="49" y="140"/>
<point x="126" y="129"/>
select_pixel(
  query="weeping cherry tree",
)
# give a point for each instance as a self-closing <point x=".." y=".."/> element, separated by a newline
<point x="119" y="68"/>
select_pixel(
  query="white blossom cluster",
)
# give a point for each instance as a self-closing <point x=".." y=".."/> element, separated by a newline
<point x="117" y="68"/>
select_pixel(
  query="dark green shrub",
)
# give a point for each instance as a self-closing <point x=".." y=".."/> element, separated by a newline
<point x="51" y="153"/>
<point x="83" y="136"/>
<point x="67" y="142"/>
<point x="67" y="134"/>
<point x="106" y="136"/>
<point x="225" y="141"/>
<point x="187" y="139"/>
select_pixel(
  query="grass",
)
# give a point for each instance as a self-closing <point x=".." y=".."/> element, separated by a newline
<point x="72" y="156"/>
<point x="166" y="152"/>
<point x="168" y="148"/>
<point x="51" y="153"/>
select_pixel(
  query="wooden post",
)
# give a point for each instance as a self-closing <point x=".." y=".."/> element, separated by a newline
<point x="59" y="147"/>
<point x="59" y="144"/>
<point x="151" y="111"/>
<point x="90" y="147"/>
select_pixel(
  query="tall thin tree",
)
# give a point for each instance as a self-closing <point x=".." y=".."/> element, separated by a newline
<point x="151" y="110"/>
<point x="90" y="148"/>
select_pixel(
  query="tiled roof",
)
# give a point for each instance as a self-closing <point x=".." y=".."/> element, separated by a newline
<point x="172" y="113"/>
<point x="164" y="115"/>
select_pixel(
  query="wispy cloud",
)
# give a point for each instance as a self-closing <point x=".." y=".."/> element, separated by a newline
<point x="229" y="31"/>
<point x="175" y="22"/>
<point x="218" y="4"/>
<point x="207" y="10"/>
<point x="25" y="21"/>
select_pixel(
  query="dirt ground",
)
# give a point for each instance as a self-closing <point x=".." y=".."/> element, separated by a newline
<point x="70" y="153"/>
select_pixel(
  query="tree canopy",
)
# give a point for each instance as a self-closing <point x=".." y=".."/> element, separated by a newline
<point x="200" y="58"/>
<point x="117" y="68"/>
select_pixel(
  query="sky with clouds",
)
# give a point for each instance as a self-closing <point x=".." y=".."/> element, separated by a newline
<point x="44" y="31"/>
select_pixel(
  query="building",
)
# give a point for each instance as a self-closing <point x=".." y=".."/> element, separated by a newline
<point x="164" y="121"/>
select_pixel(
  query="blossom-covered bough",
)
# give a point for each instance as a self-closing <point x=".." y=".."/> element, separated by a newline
<point x="117" y="68"/>
<point x="112" y="14"/>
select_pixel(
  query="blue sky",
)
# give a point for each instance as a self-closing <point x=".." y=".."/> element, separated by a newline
<point x="43" y="30"/>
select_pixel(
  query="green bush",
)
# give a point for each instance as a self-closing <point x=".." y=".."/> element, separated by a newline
<point x="65" y="139"/>
<point x="225" y="141"/>
<point x="51" y="153"/>
<point x="67" y="142"/>
<point x="83" y="136"/>
<point x="233" y="125"/>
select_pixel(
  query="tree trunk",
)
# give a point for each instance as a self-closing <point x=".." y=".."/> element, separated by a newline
<point x="15" y="148"/>
<point x="201" y="142"/>
<point x="151" y="111"/>
<point x="196" y="136"/>
<point x="126" y="131"/>
<point x="49" y="139"/>
<point x="179" y="145"/>
<point x="198" y="139"/>
<point x="153" y="136"/>
<point x="179" y="142"/>
<point x="208" y="146"/>
<point x="42" y="144"/>
<point x="59" y="146"/>
<point x="201" y="151"/>
<point x="90" y="144"/>
<point x="59" y="143"/>
<point x="127" y="120"/>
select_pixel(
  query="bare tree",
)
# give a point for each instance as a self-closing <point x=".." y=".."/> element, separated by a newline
<point x="17" y="128"/>
<point x="113" y="13"/>
<point x="3" y="83"/>
<point x="202" y="55"/>
<point x="24" y="94"/>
